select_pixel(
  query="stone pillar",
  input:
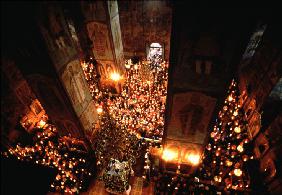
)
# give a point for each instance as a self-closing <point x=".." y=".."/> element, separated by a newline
<point x="103" y="28"/>
<point x="64" y="49"/>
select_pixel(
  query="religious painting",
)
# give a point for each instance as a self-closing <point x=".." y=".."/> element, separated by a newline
<point x="89" y="117"/>
<point x="254" y="124"/>
<point x="250" y="107"/>
<point x="28" y="121"/>
<point x="57" y="37"/>
<point x="99" y="34"/>
<point x="190" y="117"/>
<point x="106" y="68"/>
<point x="36" y="108"/>
<point x="33" y="116"/>
<point x="24" y="93"/>
<point x="76" y="86"/>
<point x="199" y="66"/>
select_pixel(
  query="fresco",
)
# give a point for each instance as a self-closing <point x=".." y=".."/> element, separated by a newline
<point x="76" y="86"/>
<point x="105" y="68"/>
<point x="254" y="124"/>
<point x="57" y="36"/>
<point x="190" y="116"/>
<point x="198" y="65"/>
<point x="89" y="117"/>
<point x="99" y="34"/>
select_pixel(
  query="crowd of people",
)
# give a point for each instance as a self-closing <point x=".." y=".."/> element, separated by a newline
<point x="140" y="106"/>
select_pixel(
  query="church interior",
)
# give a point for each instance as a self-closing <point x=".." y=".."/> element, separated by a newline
<point x="140" y="97"/>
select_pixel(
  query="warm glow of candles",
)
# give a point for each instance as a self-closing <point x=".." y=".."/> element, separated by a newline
<point x="99" y="110"/>
<point x="237" y="129"/>
<point x="194" y="159"/>
<point x="42" y="123"/>
<point x="240" y="148"/>
<point x="115" y="76"/>
<point x="169" y="155"/>
<point x="238" y="172"/>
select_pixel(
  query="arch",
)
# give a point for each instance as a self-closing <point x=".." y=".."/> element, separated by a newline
<point x="48" y="94"/>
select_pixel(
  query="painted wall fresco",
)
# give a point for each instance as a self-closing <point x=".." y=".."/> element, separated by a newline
<point x="89" y="117"/>
<point x="55" y="31"/>
<point x="144" y="22"/>
<point x="105" y="68"/>
<point x="103" y="29"/>
<point x="33" y="116"/>
<point x="198" y="65"/>
<point x="254" y="124"/>
<point x="99" y="34"/>
<point x="190" y="116"/>
<point x="79" y="94"/>
<point x="76" y="86"/>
